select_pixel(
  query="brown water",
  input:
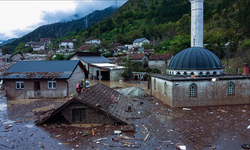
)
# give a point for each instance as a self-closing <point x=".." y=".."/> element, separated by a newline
<point x="203" y="128"/>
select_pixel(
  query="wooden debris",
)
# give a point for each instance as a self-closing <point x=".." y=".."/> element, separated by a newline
<point x="92" y="129"/>
<point x="145" y="128"/>
<point x="128" y="128"/>
<point x="128" y="143"/>
<point x="146" y="137"/>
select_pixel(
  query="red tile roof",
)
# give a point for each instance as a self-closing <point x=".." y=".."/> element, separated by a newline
<point x="160" y="57"/>
<point x="136" y="56"/>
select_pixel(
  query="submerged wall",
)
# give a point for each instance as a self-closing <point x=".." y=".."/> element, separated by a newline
<point x="208" y="92"/>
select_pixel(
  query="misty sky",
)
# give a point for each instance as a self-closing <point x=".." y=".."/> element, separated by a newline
<point x="21" y="17"/>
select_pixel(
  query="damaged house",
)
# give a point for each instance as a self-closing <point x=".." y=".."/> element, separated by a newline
<point x="98" y="105"/>
<point x="43" y="79"/>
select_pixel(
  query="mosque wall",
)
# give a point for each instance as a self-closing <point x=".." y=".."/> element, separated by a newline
<point x="210" y="93"/>
<point x="207" y="93"/>
<point x="160" y="91"/>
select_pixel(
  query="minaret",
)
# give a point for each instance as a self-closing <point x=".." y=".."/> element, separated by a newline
<point x="197" y="23"/>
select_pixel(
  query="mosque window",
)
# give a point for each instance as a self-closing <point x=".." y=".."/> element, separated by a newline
<point x="231" y="86"/>
<point x="155" y="84"/>
<point x="193" y="89"/>
<point x="165" y="87"/>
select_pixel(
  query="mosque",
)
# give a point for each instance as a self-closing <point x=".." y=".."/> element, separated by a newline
<point x="195" y="76"/>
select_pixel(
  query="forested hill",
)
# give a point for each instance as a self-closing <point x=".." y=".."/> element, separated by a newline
<point x="59" y="29"/>
<point x="167" y="24"/>
<point x="154" y="19"/>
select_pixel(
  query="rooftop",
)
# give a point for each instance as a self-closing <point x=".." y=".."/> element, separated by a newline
<point x="193" y="78"/>
<point x="109" y="102"/>
<point x="39" y="69"/>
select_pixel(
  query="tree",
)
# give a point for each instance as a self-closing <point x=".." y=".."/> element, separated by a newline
<point x="20" y="47"/>
<point x="146" y="45"/>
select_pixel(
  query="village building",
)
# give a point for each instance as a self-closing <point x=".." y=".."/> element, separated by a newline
<point x="43" y="79"/>
<point x="139" y="42"/>
<point x="45" y="40"/>
<point x="152" y="60"/>
<point x="36" y="46"/>
<point x="98" y="66"/>
<point x="66" y="44"/>
<point x="195" y="76"/>
<point x="96" y="105"/>
<point x="94" y="41"/>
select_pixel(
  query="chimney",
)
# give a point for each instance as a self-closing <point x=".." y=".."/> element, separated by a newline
<point x="245" y="69"/>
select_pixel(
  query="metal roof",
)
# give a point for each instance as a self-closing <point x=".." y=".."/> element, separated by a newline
<point x="139" y="40"/>
<point x="195" y="58"/>
<point x="94" y="59"/>
<point x="38" y="69"/>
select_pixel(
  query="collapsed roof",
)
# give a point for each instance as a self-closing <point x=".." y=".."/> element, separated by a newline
<point x="103" y="99"/>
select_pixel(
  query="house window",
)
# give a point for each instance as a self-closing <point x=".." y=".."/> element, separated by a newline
<point x="231" y="86"/>
<point x="165" y="87"/>
<point x="19" y="85"/>
<point x="78" y="114"/>
<point x="155" y="84"/>
<point x="51" y="84"/>
<point x="193" y="89"/>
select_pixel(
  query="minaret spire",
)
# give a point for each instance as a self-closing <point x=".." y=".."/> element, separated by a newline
<point x="197" y="10"/>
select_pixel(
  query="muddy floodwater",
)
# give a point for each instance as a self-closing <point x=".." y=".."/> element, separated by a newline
<point x="201" y="128"/>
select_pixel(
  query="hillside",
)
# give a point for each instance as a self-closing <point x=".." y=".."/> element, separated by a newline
<point x="59" y="29"/>
<point x="167" y="24"/>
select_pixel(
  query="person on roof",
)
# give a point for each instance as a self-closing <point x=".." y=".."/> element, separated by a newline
<point x="82" y="84"/>
<point x="78" y="88"/>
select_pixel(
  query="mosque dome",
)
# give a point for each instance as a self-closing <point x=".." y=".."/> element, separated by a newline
<point x="197" y="58"/>
<point x="196" y="61"/>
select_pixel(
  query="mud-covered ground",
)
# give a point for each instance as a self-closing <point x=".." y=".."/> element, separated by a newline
<point x="203" y="128"/>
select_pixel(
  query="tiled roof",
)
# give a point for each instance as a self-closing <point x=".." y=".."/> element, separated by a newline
<point x="104" y="99"/>
<point x="136" y="56"/>
<point x="160" y="57"/>
<point x="116" y="44"/>
<point x="85" y="47"/>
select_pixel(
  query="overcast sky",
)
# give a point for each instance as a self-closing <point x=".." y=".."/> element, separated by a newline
<point x="21" y="17"/>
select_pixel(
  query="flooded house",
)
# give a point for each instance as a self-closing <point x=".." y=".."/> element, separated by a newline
<point x="98" y="66"/>
<point x="152" y="61"/>
<point x="195" y="76"/>
<point x="96" y="105"/>
<point x="43" y="79"/>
